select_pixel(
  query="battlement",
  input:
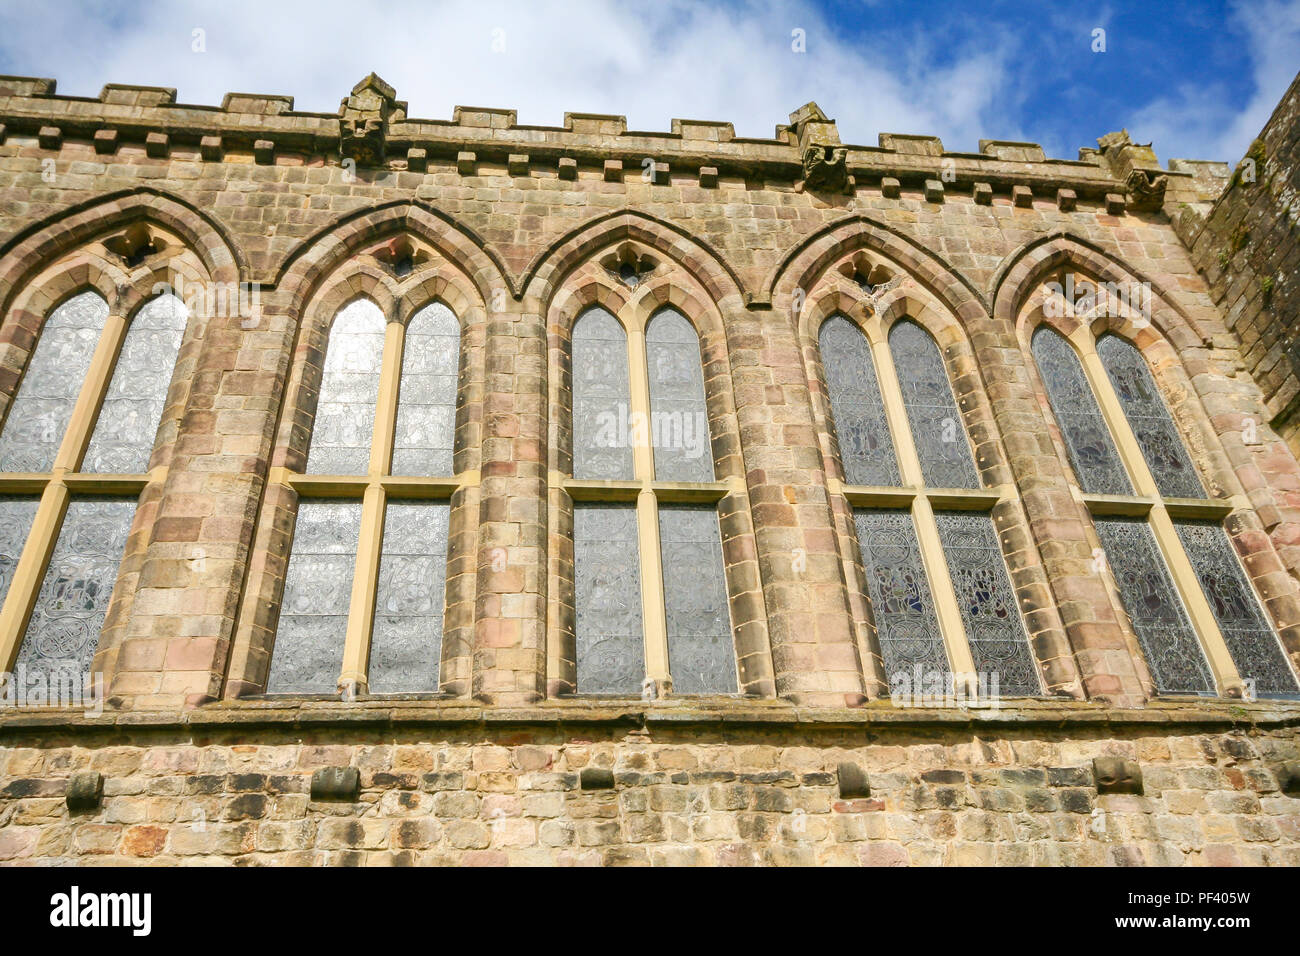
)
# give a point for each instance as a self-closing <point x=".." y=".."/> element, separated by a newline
<point x="267" y="125"/>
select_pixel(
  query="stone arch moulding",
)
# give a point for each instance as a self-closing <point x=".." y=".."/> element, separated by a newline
<point x="319" y="255"/>
<point x="28" y="252"/>
<point x="1022" y="271"/>
<point x="807" y="262"/>
<point x="549" y="271"/>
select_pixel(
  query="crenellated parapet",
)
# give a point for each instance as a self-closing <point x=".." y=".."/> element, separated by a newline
<point x="374" y="130"/>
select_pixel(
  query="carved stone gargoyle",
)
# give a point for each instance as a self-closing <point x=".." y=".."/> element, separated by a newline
<point x="1146" y="189"/>
<point x="825" y="161"/>
<point x="364" y="118"/>
<point x="826" y="168"/>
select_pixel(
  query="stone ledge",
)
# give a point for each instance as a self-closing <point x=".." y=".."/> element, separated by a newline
<point x="370" y="714"/>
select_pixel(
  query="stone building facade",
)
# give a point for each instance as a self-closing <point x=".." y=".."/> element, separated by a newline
<point x="579" y="495"/>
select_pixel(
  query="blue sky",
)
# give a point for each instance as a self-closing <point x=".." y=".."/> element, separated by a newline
<point x="1197" y="79"/>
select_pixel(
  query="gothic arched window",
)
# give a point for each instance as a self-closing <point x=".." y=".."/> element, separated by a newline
<point x="650" y="592"/>
<point x="364" y="588"/>
<point x="936" y="578"/>
<point x="1190" y="605"/>
<point x="79" y="432"/>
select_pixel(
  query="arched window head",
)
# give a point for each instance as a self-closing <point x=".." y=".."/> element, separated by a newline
<point x="123" y="440"/>
<point x="426" y="410"/>
<point x="1087" y="440"/>
<point x="345" y="411"/>
<point x="937" y="428"/>
<point x="1147" y="415"/>
<point x="39" y="413"/>
<point x="861" y="427"/>
<point x="602" y="425"/>
<point x="679" y="415"/>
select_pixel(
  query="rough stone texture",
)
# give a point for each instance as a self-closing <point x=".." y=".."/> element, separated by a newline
<point x="1247" y="246"/>
<point x="513" y="227"/>
<point x="471" y="795"/>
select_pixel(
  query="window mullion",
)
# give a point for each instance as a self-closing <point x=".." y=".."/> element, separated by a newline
<point x="654" y="616"/>
<point x="1162" y="527"/>
<point x="82" y="423"/>
<point x="30" y="570"/>
<point x="909" y="464"/>
<point x="381" y="443"/>
<point x="365" y="584"/>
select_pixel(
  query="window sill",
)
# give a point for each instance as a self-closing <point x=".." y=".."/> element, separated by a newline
<point x="288" y="713"/>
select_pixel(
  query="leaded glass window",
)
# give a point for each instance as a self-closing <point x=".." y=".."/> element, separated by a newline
<point x="345" y="412"/>
<point x="1087" y="440"/>
<point x="913" y="445"/>
<point x="1251" y="641"/>
<point x="70" y="609"/>
<point x="994" y="627"/>
<point x="1184" y="614"/>
<point x="866" y="449"/>
<point x="602" y="424"/>
<point x="426" y="411"/>
<point x="83" y="357"/>
<point x="391" y="541"/>
<point x="679" y="416"/>
<point x="16" y="516"/>
<point x="405" y="648"/>
<point x="906" y="626"/>
<point x="56" y="372"/>
<point x="649" y="617"/>
<point x="123" y="439"/>
<point x="317" y="591"/>
<point x="1173" y="654"/>
<point x="1147" y="415"/>
<point x="607" y="588"/>
<point x="937" y="428"/>
<point x="701" y="656"/>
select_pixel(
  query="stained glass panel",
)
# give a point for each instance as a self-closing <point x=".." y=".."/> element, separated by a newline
<point x="345" y="412"/>
<point x="70" y="608"/>
<point x="406" y="644"/>
<point x="1097" y="464"/>
<point x="602" y="430"/>
<point x="1173" y="652"/>
<point x="860" y="424"/>
<point x="906" y="625"/>
<point x="1251" y="641"/>
<point x="679" y="416"/>
<point x="308" y="654"/>
<point x="1161" y="444"/>
<point x="611" y="655"/>
<point x="16" y="516"/>
<point x="123" y="439"/>
<point x="937" y="428"/>
<point x="701" y="654"/>
<point x="55" y="373"/>
<point x="994" y="628"/>
<point x="426" y="410"/>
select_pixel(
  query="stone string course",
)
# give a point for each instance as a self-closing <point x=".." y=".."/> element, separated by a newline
<point x="754" y="240"/>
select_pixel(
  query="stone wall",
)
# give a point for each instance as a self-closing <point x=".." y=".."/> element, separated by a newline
<point x="683" y="791"/>
<point x="1247" y="246"/>
<point x="751" y="239"/>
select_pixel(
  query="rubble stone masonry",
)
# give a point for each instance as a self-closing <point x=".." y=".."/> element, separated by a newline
<point x="518" y="229"/>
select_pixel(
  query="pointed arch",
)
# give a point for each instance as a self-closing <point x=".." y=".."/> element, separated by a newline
<point x="32" y="249"/>
<point x="315" y="258"/>
<point x="546" y="275"/>
<point x="1022" y="271"/>
<point x="807" y="262"/>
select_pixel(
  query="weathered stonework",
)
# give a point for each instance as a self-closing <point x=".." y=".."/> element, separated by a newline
<point x="518" y="229"/>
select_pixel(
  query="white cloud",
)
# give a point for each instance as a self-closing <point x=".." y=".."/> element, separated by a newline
<point x="1206" y="120"/>
<point x="650" y="61"/>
